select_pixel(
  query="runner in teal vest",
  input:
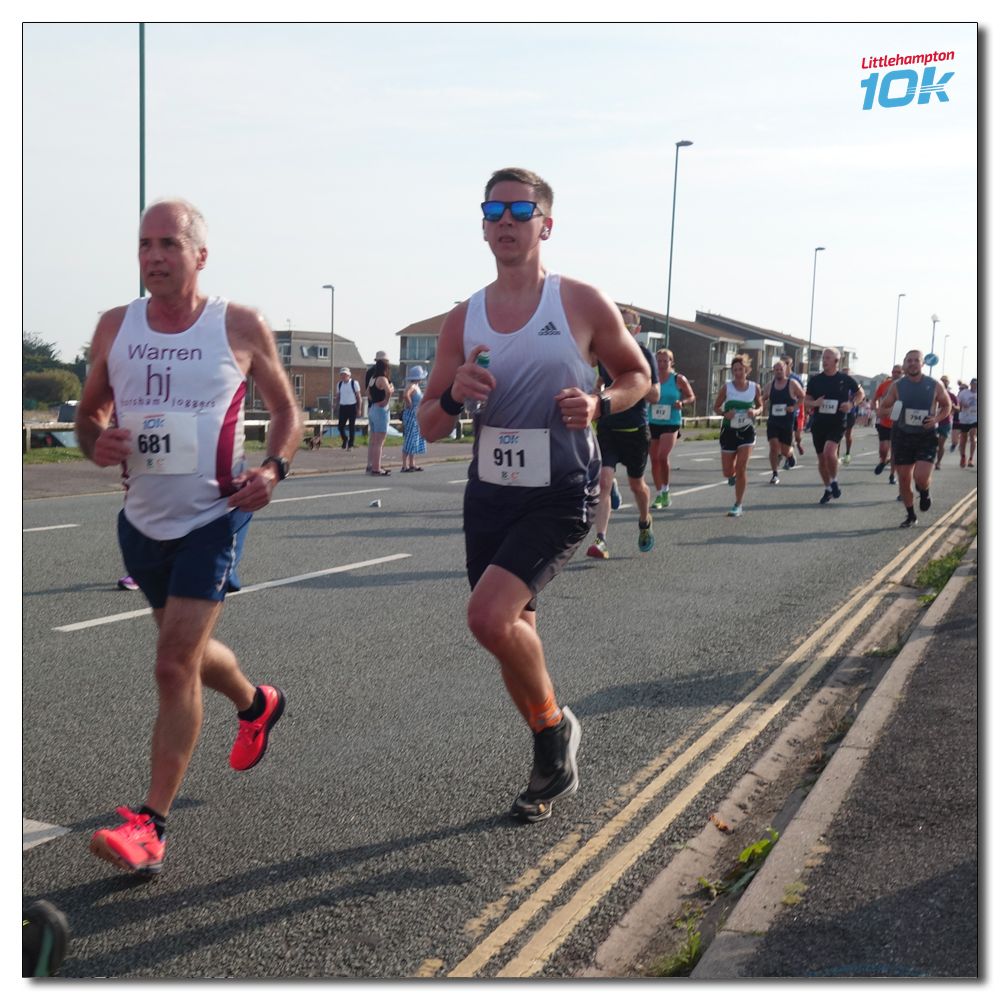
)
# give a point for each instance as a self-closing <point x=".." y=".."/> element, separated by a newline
<point x="665" y="422"/>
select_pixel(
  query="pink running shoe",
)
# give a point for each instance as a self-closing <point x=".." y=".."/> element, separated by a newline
<point x="251" y="740"/>
<point x="134" y="845"/>
<point x="127" y="583"/>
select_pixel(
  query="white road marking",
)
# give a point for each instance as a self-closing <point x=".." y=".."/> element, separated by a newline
<point x="451" y="482"/>
<point x="320" y="496"/>
<point x="76" y="626"/>
<point x="34" y="833"/>
<point x="694" y="489"/>
<point x="50" y="527"/>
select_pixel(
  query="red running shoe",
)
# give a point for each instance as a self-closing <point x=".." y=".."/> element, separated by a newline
<point x="251" y="740"/>
<point x="134" y="845"/>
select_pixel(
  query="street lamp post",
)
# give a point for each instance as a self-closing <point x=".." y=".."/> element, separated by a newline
<point x="934" y="323"/>
<point x="902" y="295"/>
<point x="812" y="302"/>
<point x="670" y="265"/>
<point x="332" y="376"/>
<point x="944" y="351"/>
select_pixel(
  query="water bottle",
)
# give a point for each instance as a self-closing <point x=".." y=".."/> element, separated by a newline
<point x="478" y="405"/>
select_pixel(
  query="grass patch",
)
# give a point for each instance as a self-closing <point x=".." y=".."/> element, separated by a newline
<point x="702" y="436"/>
<point x="886" y="653"/>
<point x="938" y="572"/>
<point x="46" y="456"/>
<point x="974" y="528"/>
<point x="681" y="962"/>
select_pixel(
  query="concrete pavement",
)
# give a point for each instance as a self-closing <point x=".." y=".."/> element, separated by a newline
<point x="876" y="876"/>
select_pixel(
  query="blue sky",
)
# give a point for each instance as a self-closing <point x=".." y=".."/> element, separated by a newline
<point x="356" y="154"/>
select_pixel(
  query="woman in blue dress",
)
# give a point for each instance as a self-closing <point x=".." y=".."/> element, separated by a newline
<point x="413" y="443"/>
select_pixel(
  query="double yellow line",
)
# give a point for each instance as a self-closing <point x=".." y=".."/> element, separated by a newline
<point x="551" y="935"/>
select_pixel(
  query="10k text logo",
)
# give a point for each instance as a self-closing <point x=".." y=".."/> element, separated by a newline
<point x="927" y="87"/>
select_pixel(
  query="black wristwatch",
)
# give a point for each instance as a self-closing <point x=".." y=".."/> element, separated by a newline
<point x="605" y="404"/>
<point x="281" y="463"/>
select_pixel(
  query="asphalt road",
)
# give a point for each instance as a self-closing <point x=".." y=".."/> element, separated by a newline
<point x="373" y="840"/>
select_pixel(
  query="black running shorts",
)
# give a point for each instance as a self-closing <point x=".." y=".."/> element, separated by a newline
<point x="530" y="532"/>
<point x="884" y="433"/>
<point x="965" y="428"/>
<point x="783" y="434"/>
<point x="628" y="448"/>
<point x="658" y="430"/>
<point x="851" y="419"/>
<point x="910" y="448"/>
<point x="731" y="439"/>
<point x="823" y="431"/>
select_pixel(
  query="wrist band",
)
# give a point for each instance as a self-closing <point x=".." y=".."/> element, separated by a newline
<point x="449" y="405"/>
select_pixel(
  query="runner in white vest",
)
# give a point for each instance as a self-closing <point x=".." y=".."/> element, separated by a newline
<point x="534" y="475"/>
<point x="171" y="371"/>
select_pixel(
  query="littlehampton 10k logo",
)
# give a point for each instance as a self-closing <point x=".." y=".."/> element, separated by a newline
<point x="927" y="84"/>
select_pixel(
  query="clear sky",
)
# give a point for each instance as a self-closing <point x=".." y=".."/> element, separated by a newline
<point x="355" y="155"/>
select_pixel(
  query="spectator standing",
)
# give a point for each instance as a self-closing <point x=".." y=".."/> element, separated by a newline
<point x="349" y="398"/>
<point x="413" y="443"/>
<point x="380" y="393"/>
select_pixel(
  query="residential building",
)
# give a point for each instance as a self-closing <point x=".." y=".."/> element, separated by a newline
<point x="418" y="345"/>
<point x="306" y="357"/>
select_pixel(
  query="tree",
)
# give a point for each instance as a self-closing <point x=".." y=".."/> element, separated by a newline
<point x="53" y="385"/>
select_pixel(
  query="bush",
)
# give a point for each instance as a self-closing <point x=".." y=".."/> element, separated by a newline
<point x="54" y="385"/>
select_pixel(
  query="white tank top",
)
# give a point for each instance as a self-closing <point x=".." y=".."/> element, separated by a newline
<point x="531" y="366"/>
<point x="181" y="395"/>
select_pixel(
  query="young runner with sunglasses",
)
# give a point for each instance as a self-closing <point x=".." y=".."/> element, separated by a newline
<point x="533" y="481"/>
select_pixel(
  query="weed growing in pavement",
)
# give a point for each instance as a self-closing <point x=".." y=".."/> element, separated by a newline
<point x="974" y="528"/>
<point x="938" y="572"/>
<point x="750" y="862"/>
<point x="681" y="962"/>
<point x="44" y="456"/>
<point x="887" y="653"/>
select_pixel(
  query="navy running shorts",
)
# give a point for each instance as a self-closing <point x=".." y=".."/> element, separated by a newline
<point x="201" y="565"/>
<point x="884" y="433"/>
<point x="826" y="430"/>
<point x="532" y="535"/>
<point x="783" y="434"/>
<point x="658" y="430"/>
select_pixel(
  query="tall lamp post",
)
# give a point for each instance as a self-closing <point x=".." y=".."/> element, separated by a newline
<point x="332" y="377"/>
<point x="142" y="132"/>
<point x="670" y="265"/>
<point x="934" y="323"/>
<point x="812" y="302"/>
<point x="944" y="351"/>
<point x="899" y="298"/>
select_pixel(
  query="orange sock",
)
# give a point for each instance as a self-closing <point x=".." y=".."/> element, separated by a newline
<point x="542" y="716"/>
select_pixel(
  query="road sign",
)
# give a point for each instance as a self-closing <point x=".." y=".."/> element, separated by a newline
<point x="931" y="359"/>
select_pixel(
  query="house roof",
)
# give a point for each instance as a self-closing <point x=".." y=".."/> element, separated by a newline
<point x="345" y="352"/>
<point x="428" y="327"/>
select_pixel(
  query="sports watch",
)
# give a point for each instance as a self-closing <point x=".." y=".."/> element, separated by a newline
<point x="281" y="463"/>
<point x="605" y="404"/>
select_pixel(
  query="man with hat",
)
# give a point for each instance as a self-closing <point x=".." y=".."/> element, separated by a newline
<point x="349" y="398"/>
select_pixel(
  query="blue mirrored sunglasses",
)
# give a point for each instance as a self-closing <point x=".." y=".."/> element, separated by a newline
<point x="519" y="210"/>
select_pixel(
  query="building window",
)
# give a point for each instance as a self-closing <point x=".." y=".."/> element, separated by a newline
<point x="297" y="382"/>
<point x="285" y="350"/>
<point x="322" y="352"/>
<point x="417" y="348"/>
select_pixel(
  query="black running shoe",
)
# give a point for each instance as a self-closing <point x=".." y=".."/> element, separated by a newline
<point x="880" y="468"/>
<point x="911" y="520"/>
<point x="827" y="495"/>
<point x="790" y="462"/>
<point x="44" y="938"/>
<point x="925" y="499"/>
<point x="554" y="773"/>
<point x="892" y="479"/>
<point x="835" y="490"/>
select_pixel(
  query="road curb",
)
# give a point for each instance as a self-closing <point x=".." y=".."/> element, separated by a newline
<point x="736" y="944"/>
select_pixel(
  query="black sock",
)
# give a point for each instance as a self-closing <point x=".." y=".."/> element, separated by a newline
<point x="256" y="710"/>
<point x="923" y="493"/>
<point x="160" y="822"/>
<point x="644" y="524"/>
<point x="909" y="510"/>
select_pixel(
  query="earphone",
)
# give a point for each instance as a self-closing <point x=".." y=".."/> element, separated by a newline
<point x="545" y="231"/>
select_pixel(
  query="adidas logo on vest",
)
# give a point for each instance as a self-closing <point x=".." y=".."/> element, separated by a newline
<point x="549" y="330"/>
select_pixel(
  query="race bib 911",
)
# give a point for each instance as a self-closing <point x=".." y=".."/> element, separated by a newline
<point x="510" y="457"/>
<point x="163" y="443"/>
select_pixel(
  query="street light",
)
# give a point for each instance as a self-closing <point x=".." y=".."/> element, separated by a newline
<point x="944" y="350"/>
<point x="332" y="380"/>
<point x="812" y="302"/>
<point x="902" y="295"/>
<point x="670" y="265"/>
<point x="934" y="323"/>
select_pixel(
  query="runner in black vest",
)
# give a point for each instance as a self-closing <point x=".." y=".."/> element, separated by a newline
<point x="780" y="398"/>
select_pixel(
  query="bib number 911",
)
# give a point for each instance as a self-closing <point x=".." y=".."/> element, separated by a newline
<point x="511" y="457"/>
